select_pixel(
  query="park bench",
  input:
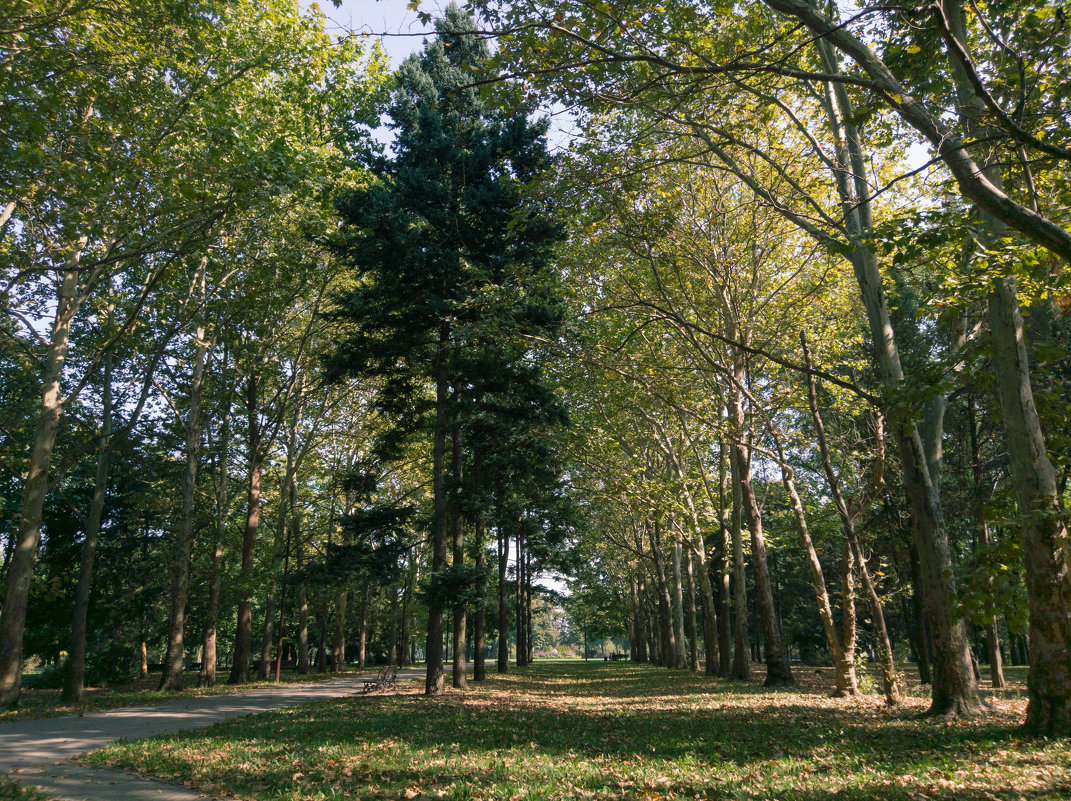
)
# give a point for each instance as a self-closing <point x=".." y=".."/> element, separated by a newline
<point x="387" y="677"/>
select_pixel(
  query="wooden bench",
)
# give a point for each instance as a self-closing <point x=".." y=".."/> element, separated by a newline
<point x="387" y="677"/>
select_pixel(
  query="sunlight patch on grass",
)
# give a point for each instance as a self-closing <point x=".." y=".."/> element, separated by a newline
<point x="608" y="731"/>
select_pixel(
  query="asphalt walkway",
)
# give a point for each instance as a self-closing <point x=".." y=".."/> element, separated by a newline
<point x="38" y="752"/>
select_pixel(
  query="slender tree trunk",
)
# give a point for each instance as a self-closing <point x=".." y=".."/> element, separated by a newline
<point x="741" y="668"/>
<point x="665" y="603"/>
<point x="74" y="686"/>
<point x="433" y="684"/>
<point x="846" y="682"/>
<point x="458" y="677"/>
<point x="302" y="599"/>
<point x="690" y="622"/>
<point x="680" y="655"/>
<point x="778" y="671"/>
<point x="207" y="675"/>
<point x="503" y="624"/>
<point x="479" y="634"/>
<point x="638" y="642"/>
<point x="338" y="639"/>
<point x="321" y="648"/>
<point x="889" y="677"/>
<point x="722" y="569"/>
<point x="407" y="599"/>
<point x="362" y="629"/>
<point x="955" y="691"/>
<point x="522" y="627"/>
<point x="180" y="567"/>
<point x="243" y="636"/>
<point x="20" y="566"/>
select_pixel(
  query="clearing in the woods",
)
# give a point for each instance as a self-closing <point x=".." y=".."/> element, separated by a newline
<point x="612" y="730"/>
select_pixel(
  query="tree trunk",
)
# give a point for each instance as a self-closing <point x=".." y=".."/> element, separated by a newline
<point x="955" y="691"/>
<point x="844" y="667"/>
<point x="778" y="671"/>
<point x="302" y="600"/>
<point x="362" y="629"/>
<point x="665" y="602"/>
<point x="889" y="678"/>
<point x="680" y="654"/>
<point x="458" y="678"/>
<point x="690" y="622"/>
<point x="522" y="627"/>
<point x="20" y="567"/>
<point x="741" y="668"/>
<point x="338" y="639"/>
<point x="1043" y="531"/>
<point x="529" y="640"/>
<point x="74" y="686"/>
<point x="207" y="675"/>
<point x="479" y="636"/>
<point x="722" y="569"/>
<point x="433" y="683"/>
<point x="243" y="636"/>
<point x="503" y="630"/>
<point x="180" y="566"/>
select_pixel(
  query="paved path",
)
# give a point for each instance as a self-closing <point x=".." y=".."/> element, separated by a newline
<point x="37" y="752"/>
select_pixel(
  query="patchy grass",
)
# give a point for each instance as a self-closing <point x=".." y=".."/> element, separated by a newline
<point x="10" y="791"/>
<point x="36" y="703"/>
<point x="598" y="730"/>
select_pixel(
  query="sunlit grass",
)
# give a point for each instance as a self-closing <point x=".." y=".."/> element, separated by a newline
<point x="598" y="730"/>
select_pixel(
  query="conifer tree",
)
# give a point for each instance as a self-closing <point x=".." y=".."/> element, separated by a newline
<point x="450" y="251"/>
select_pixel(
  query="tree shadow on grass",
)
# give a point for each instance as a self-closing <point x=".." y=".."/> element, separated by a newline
<point x="615" y="731"/>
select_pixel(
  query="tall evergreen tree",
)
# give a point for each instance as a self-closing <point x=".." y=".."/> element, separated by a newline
<point x="450" y="250"/>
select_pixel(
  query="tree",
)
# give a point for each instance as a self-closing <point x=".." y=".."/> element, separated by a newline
<point x="443" y="245"/>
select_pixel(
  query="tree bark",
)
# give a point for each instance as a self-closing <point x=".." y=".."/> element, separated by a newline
<point x="778" y="671"/>
<point x="680" y="655"/>
<point x="503" y="623"/>
<point x="1043" y="532"/>
<point x="846" y="682"/>
<point x="302" y="599"/>
<point x="180" y="566"/>
<point x="665" y="602"/>
<point x="690" y="622"/>
<point x="243" y="636"/>
<point x="338" y="639"/>
<point x="458" y="677"/>
<point x="955" y="691"/>
<point x="74" y="686"/>
<point x="362" y="628"/>
<point x="741" y="668"/>
<point x="20" y="567"/>
<point x="890" y="684"/>
<point x="433" y="683"/>
<point x="479" y="636"/>
<point x="207" y="676"/>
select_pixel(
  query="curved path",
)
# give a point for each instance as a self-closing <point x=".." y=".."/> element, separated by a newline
<point x="38" y="752"/>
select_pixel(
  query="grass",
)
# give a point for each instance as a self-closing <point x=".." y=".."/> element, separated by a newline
<point x="38" y="703"/>
<point x="610" y="731"/>
<point x="10" y="791"/>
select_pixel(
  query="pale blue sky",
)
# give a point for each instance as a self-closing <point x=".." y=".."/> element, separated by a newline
<point x="405" y="32"/>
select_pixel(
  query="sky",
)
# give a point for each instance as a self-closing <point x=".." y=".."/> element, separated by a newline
<point x="399" y="28"/>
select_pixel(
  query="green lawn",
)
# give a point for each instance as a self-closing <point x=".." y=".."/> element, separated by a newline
<point x="38" y="703"/>
<point x="606" y="730"/>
